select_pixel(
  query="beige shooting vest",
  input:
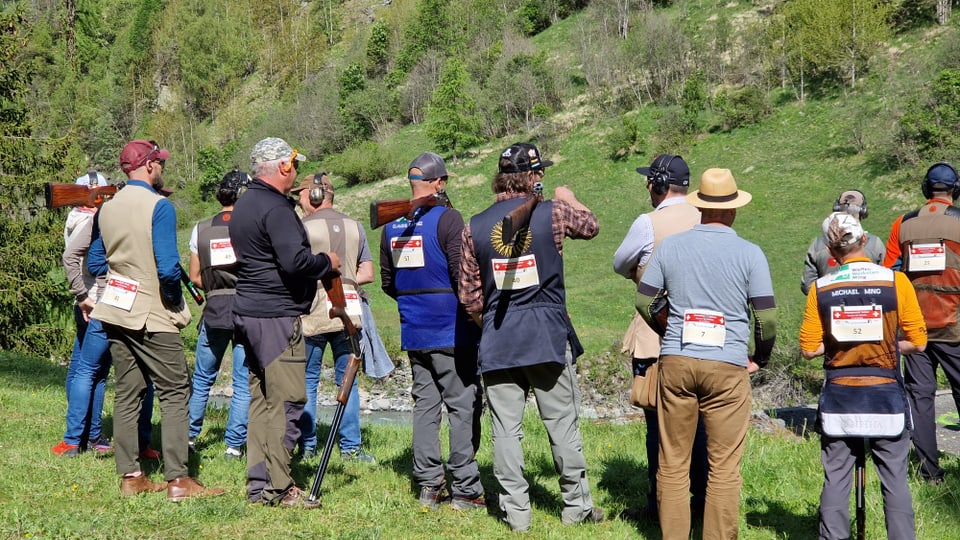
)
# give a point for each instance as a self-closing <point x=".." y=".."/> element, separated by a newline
<point x="329" y="230"/>
<point x="641" y="341"/>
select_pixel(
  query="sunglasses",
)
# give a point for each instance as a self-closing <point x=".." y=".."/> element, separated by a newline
<point x="146" y="159"/>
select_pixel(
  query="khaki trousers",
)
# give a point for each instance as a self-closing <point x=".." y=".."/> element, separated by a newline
<point x="720" y="393"/>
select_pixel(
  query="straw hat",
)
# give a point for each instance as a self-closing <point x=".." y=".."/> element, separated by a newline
<point x="718" y="189"/>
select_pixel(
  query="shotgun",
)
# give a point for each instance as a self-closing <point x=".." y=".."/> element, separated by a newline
<point x="519" y="217"/>
<point x="59" y="194"/>
<point x="191" y="288"/>
<point x="338" y="310"/>
<point x="383" y="212"/>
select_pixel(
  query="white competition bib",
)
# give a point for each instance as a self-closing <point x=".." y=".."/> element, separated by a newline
<point x="516" y="273"/>
<point x="927" y="257"/>
<point x="221" y="252"/>
<point x="353" y="303"/>
<point x="407" y="251"/>
<point x="856" y="323"/>
<point x="120" y="292"/>
<point x="704" y="327"/>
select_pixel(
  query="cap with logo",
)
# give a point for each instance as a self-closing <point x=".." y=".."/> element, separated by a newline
<point x="522" y="157"/>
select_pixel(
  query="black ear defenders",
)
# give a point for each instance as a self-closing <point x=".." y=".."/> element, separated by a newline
<point x="660" y="174"/>
<point x="840" y="206"/>
<point x="927" y="186"/>
<point x="317" y="189"/>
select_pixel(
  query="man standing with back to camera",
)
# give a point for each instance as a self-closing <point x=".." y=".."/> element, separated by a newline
<point x="668" y="179"/>
<point x="715" y="282"/>
<point x="330" y="230"/>
<point x="213" y="268"/>
<point x="276" y="283"/>
<point x="514" y="289"/>
<point x="925" y="244"/>
<point x="142" y="310"/>
<point x="419" y="268"/>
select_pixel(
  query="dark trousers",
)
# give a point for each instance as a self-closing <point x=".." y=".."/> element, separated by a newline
<point x="138" y="357"/>
<point x="920" y="381"/>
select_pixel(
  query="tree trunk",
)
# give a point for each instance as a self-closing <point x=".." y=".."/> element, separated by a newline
<point x="71" y="27"/>
<point x="943" y="11"/>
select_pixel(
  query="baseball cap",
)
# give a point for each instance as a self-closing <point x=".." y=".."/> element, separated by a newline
<point x="272" y="149"/>
<point x="840" y="229"/>
<point x="941" y="174"/>
<point x="322" y="179"/>
<point x="522" y="157"/>
<point x="100" y="179"/>
<point x="137" y="153"/>
<point x="431" y="166"/>
<point x="676" y="169"/>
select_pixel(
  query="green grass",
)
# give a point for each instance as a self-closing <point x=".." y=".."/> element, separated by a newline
<point x="44" y="496"/>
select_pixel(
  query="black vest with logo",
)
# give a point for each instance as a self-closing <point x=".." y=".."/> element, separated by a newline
<point x="218" y="281"/>
<point x="525" y="318"/>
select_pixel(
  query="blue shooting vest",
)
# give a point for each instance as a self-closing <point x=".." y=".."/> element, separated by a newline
<point x="425" y="297"/>
<point x="525" y="319"/>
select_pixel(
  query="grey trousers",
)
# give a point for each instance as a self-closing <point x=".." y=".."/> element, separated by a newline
<point x="558" y="401"/>
<point x="890" y="459"/>
<point x="138" y="354"/>
<point x="442" y="378"/>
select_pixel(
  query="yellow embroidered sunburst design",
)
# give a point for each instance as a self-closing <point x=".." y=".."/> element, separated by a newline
<point x="522" y="243"/>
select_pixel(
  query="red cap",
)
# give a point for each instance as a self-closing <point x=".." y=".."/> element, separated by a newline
<point x="137" y="153"/>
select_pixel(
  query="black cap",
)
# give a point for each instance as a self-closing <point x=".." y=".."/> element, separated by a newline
<point x="676" y="169"/>
<point x="522" y="157"/>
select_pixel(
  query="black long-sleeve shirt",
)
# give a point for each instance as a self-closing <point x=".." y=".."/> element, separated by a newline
<point x="277" y="273"/>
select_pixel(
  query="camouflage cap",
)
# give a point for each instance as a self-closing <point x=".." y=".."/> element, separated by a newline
<point x="840" y="229"/>
<point x="272" y="149"/>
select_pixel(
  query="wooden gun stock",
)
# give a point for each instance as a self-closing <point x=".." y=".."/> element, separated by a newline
<point x="383" y="212"/>
<point x="59" y="194"/>
<point x="519" y="217"/>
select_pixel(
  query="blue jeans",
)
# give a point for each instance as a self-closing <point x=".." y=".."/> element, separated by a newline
<point x="350" y="426"/>
<point x="211" y="346"/>
<point x="86" y="384"/>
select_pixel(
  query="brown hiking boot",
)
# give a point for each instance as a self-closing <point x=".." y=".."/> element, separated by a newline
<point x="135" y="485"/>
<point x="186" y="487"/>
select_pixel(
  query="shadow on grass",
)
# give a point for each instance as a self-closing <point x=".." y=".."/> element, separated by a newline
<point x="781" y="520"/>
<point x="627" y="485"/>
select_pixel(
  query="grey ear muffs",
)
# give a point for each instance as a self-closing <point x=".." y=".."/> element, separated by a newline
<point x="317" y="190"/>
<point x="660" y="174"/>
<point x="840" y="206"/>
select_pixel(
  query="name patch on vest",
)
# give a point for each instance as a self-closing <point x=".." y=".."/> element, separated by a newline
<point x="353" y="308"/>
<point x="515" y="273"/>
<point x="221" y="252"/>
<point x="856" y="323"/>
<point x="407" y="251"/>
<point x="704" y="327"/>
<point x="927" y="257"/>
<point x="120" y="292"/>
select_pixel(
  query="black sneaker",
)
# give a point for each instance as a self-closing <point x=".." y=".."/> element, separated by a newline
<point x="432" y="497"/>
<point x="471" y="503"/>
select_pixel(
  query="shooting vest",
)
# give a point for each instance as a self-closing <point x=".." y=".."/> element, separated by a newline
<point x="425" y="297"/>
<point x="525" y="319"/>
<point x="218" y="269"/>
<point x="332" y="231"/>
<point x="640" y="340"/>
<point x="930" y="237"/>
<point x="862" y="393"/>
<point x="131" y="298"/>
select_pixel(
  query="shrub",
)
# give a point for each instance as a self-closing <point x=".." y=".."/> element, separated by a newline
<point x="626" y="141"/>
<point x="743" y="108"/>
<point x="365" y="163"/>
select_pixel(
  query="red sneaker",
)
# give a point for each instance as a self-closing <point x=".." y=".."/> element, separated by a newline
<point x="149" y="453"/>
<point x="66" y="450"/>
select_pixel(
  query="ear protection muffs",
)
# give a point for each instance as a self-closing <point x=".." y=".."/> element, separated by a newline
<point x="317" y="190"/>
<point x="927" y="186"/>
<point x="839" y="206"/>
<point x="660" y="174"/>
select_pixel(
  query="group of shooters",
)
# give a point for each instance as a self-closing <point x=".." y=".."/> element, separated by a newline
<point x="466" y="291"/>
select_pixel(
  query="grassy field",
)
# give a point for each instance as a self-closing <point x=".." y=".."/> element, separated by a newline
<point x="44" y="496"/>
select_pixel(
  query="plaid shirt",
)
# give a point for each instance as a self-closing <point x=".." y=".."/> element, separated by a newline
<point x="567" y="222"/>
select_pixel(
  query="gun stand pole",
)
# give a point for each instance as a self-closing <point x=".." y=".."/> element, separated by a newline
<point x="327" y="450"/>
<point x="859" y="477"/>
